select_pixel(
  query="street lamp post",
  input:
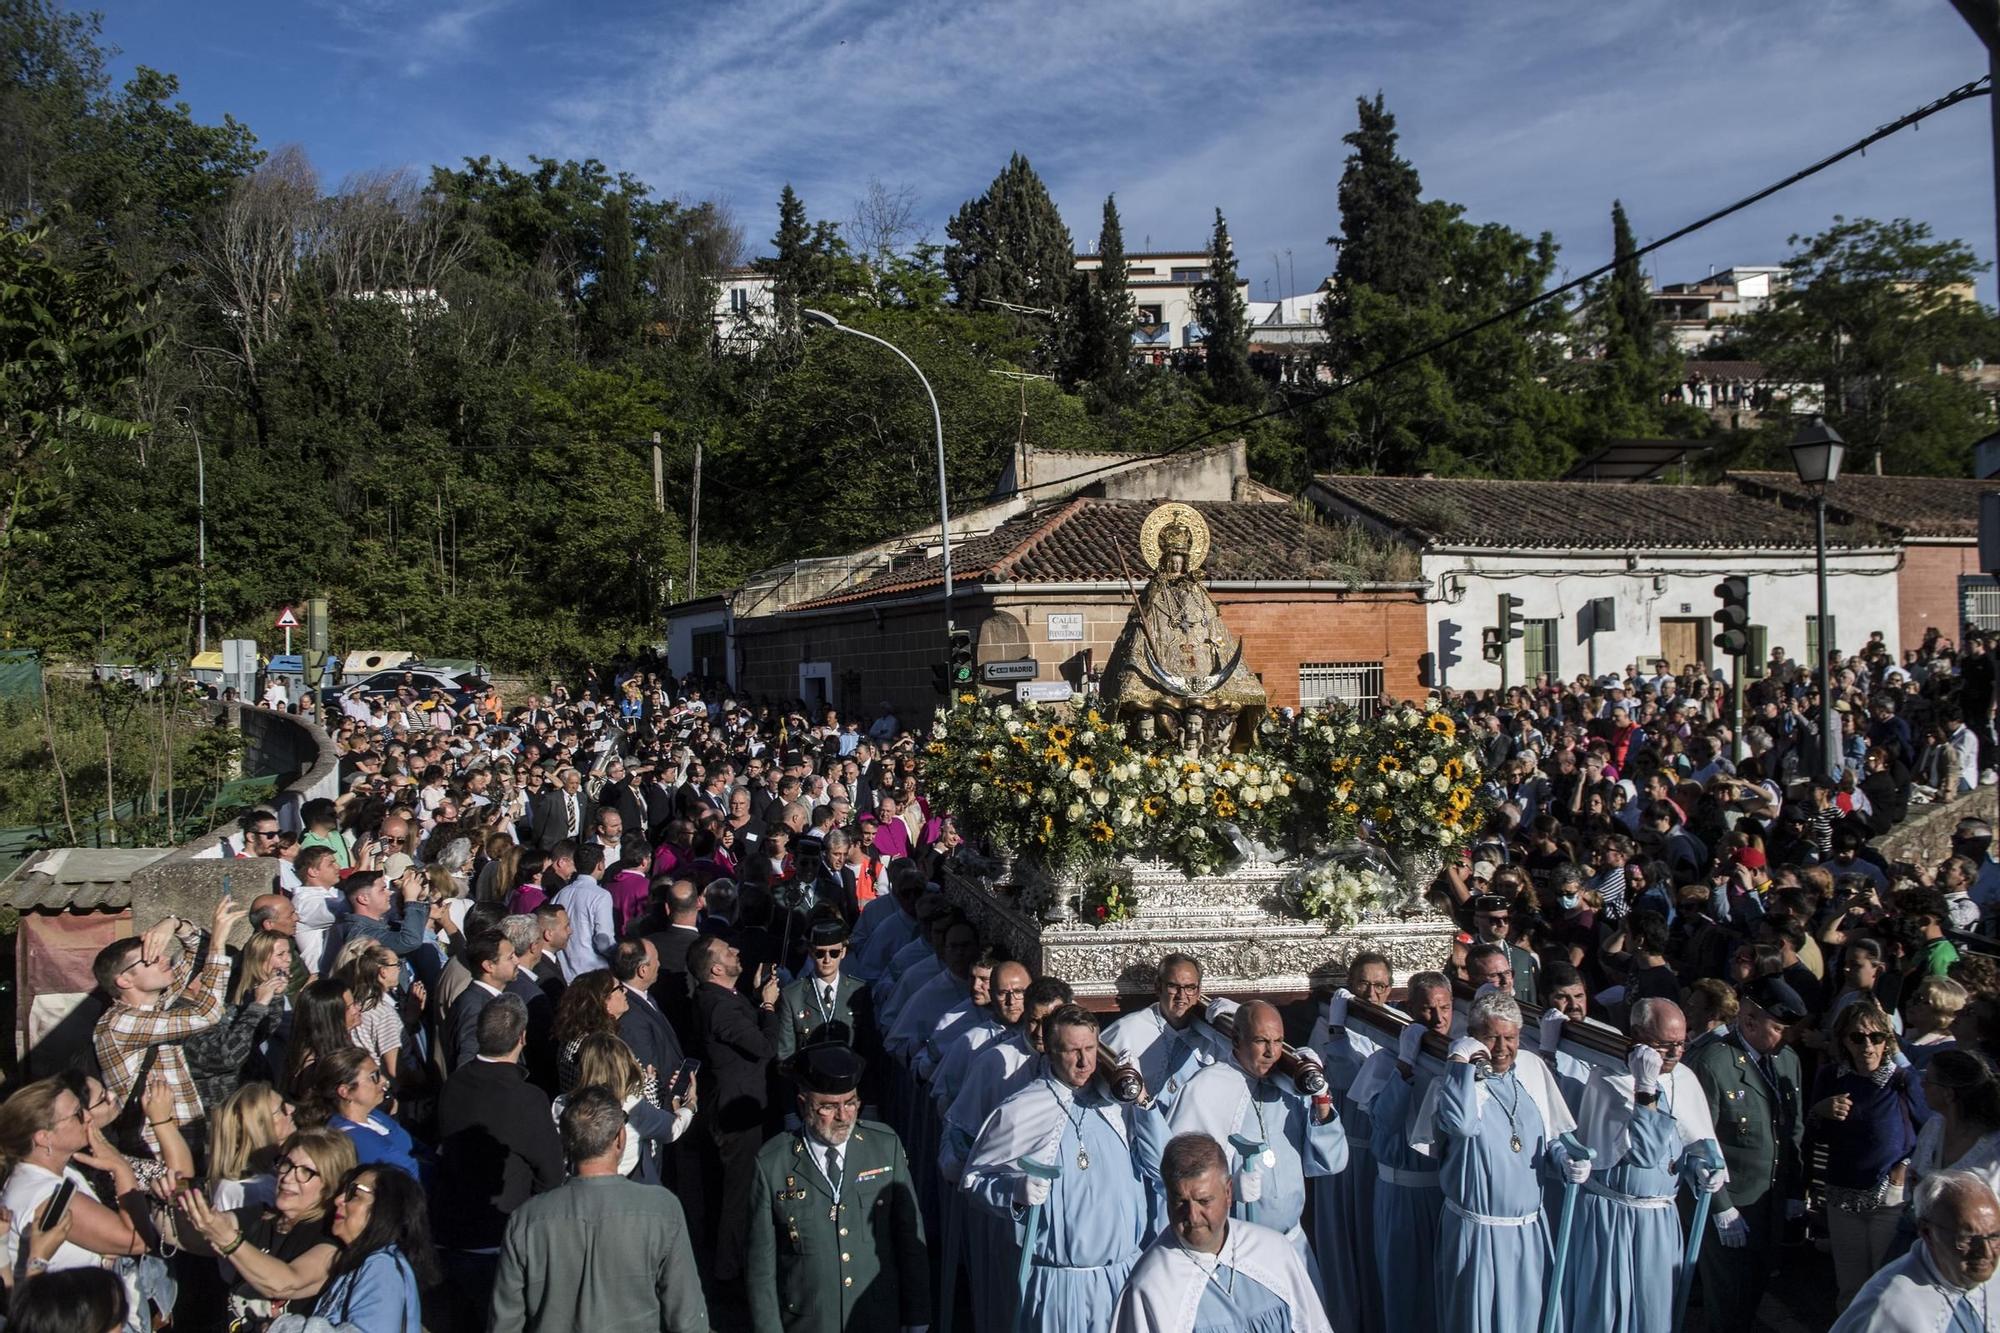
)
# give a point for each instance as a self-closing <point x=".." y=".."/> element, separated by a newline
<point x="937" y="422"/>
<point x="1817" y="451"/>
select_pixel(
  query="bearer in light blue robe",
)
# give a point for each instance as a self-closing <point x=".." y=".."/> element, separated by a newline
<point x="1409" y="1204"/>
<point x="885" y="925"/>
<point x="1210" y="1272"/>
<point x="1626" y="1245"/>
<point x="1493" y="1134"/>
<point x="1274" y="1136"/>
<point x="1094" y="1213"/>
<point x="1344" y="1203"/>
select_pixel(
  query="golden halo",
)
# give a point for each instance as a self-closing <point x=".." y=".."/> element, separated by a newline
<point x="1174" y="510"/>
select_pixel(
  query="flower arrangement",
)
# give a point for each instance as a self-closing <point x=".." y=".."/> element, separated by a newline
<point x="1340" y="890"/>
<point x="1107" y="898"/>
<point x="1075" y="789"/>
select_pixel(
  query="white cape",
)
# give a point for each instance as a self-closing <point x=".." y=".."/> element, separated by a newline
<point x="1167" y="1284"/>
<point x="1030" y="1124"/>
<point x="1607" y="1112"/>
<point x="1536" y="1081"/>
<point x="1140" y="1039"/>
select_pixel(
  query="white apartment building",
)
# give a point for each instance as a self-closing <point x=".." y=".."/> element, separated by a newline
<point x="1162" y="284"/>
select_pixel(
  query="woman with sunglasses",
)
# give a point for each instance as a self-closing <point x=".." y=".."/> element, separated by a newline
<point x="1864" y="1111"/>
<point x="284" y="1250"/>
<point x="348" y="1090"/>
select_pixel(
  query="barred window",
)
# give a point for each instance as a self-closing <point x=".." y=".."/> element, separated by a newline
<point x="1355" y="684"/>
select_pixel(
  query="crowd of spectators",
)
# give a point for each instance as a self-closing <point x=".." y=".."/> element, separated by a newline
<point x="536" y="953"/>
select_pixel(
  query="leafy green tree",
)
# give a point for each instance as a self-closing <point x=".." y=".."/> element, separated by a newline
<point x="612" y="294"/>
<point x="72" y="338"/>
<point x="1225" y="325"/>
<point x="1882" y="318"/>
<point x="1101" y="312"/>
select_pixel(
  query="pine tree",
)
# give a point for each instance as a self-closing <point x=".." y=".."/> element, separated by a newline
<point x="1101" y="311"/>
<point x="1218" y="308"/>
<point x="1010" y="245"/>
<point x="1631" y="296"/>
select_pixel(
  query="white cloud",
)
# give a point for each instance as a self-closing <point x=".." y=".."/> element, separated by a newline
<point x="1535" y="113"/>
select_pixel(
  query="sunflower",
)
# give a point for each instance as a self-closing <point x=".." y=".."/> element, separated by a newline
<point x="1383" y="814"/>
<point x="1338" y="764"/>
<point x="1443" y="726"/>
<point x="1055" y="754"/>
<point x="1453" y="769"/>
<point x="1101" y="831"/>
<point x="1224" y="806"/>
<point x="1460" y="799"/>
<point x="966" y="699"/>
<point x="1019" y="742"/>
<point x="1085" y="764"/>
<point x="1346" y="786"/>
<point x="986" y="762"/>
<point x="1350" y="809"/>
<point x="1048" y="827"/>
<point x="1092" y="718"/>
<point x="1154" y="807"/>
<point x="1060" y="735"/>
<point x="1388" y="763"/>
<point x="935" y="749"/>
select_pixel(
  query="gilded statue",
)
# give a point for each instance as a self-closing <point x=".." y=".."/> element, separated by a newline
<point x="1176" y="670"/>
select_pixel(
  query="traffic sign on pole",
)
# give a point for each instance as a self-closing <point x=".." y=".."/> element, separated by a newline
<point x="288" y="620"/>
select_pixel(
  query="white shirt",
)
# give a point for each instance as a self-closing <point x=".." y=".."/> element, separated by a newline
<point x="315" y="906"/>
<point x="27" y="1186"/>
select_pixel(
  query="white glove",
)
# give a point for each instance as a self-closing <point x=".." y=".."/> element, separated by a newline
<point x="1710" y="1181"/>
<point x="1575" y="1170"/>
<point x="1410" y="1043"/>
<point x="1252" y="1187"/>
<point x="1336" y="1009"/>
<point x="1551" y="1030"/>
<point x="1731" y="1229"/>
<point x="1645" y="1064"/>
<point x="1471" y="1050"/>
<point x="1034" y="1191"/>
<point x="1221" y="1007"/>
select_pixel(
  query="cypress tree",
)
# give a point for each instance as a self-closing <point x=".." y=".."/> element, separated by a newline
<point x="1102" y="313"/>
<point x="1218" y="308"/>
<point x="1389" y="243"/>
<point x="790" y="267"/>
<point x="612" y="296"/>
<point x="1010" y="244"/>
<point x="1631" y="298"/>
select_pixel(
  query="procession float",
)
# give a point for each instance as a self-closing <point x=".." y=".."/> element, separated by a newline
<point x="1172" y="810"/>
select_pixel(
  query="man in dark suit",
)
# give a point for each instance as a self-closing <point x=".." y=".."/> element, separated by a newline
<point x="620" y="793"/>
<point x="564" y="811"/>
<point x="524" y="932"/>
<point x="823" y="1005"/>
<point x="491" y="960"/>
<point x="497" y="1147"/>
<point x="671" y="928"/>
<point x="738" y="1039"/>
<point x="657" y="794"/>
<point x="644" y="1028"/>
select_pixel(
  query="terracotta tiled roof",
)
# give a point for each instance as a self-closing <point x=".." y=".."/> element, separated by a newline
<point x="1916" y="506"/>
<point x="1580" y="515"/>
<point x="1086" y="540"/>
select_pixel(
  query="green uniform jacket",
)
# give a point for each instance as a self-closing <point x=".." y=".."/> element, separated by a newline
<point x="817" y="1267"/>
<point x="1759" y="1128"/>
<point x="851" y="1007"/>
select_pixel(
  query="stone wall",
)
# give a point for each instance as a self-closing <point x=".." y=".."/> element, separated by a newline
<point x="1925" y="837"/>
<point x="189" y="880"/>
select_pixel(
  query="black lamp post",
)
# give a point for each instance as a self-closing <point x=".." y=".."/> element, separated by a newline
<point x="1817" y="451"/>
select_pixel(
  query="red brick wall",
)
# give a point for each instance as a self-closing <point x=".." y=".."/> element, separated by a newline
<point x="891" y="659"/>
<point x="1927" y="588"/>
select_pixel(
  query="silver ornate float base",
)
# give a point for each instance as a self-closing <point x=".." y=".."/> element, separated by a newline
<point x="1236" y="923"/>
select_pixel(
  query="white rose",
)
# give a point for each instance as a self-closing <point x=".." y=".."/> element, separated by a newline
<point x="1440" y="784"/>
<point x="1013" y="728"/>
<point x="1100" y="798"/>
<point x="1377" y="790"/>
<point x="1178" y="796"/>
<point x="1020" y="798"/>
<point x="1086" y="738"/>
<point x="1074" y="811"/>
<point x="976" y="791"/>
<point x="1427" y="765"/>
<point x="1048" y="796"/>
<point x="1080" y="778"/>
<point x="1004" y="711"/>
<point x="1354" y="728"/>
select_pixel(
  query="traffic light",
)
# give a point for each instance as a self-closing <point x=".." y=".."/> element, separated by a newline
<point x="1510" y="617"/>
<point x="1449" y="646"/>
<point x="959" y="662"/>
<point x="1491" y="646"/>
<point x="1733" y="620"/>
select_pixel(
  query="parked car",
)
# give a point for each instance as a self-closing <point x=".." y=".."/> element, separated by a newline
<point x="461" y="687"/>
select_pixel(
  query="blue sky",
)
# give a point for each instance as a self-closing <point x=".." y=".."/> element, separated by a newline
<point x="1531" y="112"/>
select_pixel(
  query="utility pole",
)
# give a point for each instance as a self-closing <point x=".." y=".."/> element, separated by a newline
<point x="1983" y="16"/>
<point x="694" y="520"/>
<point x="659" y="477"/>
